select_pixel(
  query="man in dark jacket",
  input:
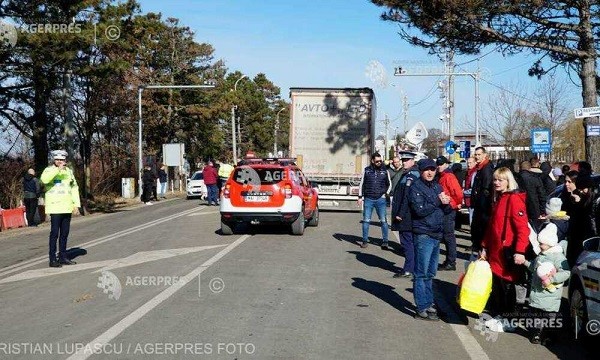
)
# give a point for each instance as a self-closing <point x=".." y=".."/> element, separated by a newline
<point x="375" y="184"/>
<point x="401" y="220"/>
<point x="428" y="204"/>
<point x="31" y="192"/>
<point x="535" y="199"/>
<point x="481" y="197"/>
<point x="148" y="182"/>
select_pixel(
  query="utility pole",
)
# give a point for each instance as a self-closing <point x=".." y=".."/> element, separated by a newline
<point x="386" y="123"/>
<point x="450" y="57"/>
<point x="405" y="107"/>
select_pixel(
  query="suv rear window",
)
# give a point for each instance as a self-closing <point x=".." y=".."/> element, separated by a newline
<point x="197" y="176"/>
<point x="251" y="175"/>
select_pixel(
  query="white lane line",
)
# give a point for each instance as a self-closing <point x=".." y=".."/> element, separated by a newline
<point x="132" y="318"/>
<point x="204" y="213"/>
<point x="467" y="339"/>
<point x="31" y="262"/>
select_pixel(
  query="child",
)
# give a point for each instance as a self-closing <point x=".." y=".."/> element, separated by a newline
<point x="542" y="297"/>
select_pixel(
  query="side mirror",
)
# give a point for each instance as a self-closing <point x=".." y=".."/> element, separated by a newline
<point x="592" y="244"/>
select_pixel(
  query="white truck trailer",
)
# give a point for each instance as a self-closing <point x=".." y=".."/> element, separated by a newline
<point x="332" y="135"/>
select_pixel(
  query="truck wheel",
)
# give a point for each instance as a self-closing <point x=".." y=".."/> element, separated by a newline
<point x="226" y="229"/>
<point x="298" y="225"/>
<point x="314" y="220"/>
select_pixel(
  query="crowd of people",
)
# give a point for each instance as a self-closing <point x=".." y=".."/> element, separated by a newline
<point x="530" y="234"/>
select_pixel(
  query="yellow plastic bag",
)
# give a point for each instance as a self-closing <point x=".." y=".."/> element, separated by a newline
<point x="476" y="287"/>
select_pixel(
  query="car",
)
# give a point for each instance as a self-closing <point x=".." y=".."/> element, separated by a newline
<point x="584" y="291"/>
<point x="195" y="186"/>
<point x="268" y="191"/>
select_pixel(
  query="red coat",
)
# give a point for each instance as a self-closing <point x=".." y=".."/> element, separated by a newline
<point x="516" y="230"/>
<point x="452" y="188"/>
<point x="210" y="175"/>
<point x="468" y="184"/>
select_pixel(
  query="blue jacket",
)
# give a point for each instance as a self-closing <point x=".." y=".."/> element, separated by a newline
<point x="400" y="200"/>
<point x="375" y="182"/>
<point x="427" y="211"/>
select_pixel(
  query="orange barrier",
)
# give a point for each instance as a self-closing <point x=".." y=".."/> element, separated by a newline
<point x="12" y="218"/>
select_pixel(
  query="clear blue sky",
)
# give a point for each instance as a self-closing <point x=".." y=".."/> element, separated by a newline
<point x="317" y="43"/>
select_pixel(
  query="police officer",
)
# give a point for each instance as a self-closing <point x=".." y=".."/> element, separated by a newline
<point x="401" y="219"/>
<point x="61" y="200"/>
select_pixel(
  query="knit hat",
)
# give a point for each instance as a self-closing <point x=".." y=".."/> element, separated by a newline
<point x="553" y="206"/>
<point x="549" y="235"/>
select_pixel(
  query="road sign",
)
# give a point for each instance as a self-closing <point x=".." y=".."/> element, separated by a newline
<point x="593" y="130"/>
<point x="465" y="149"/>
<point x="541" y="141"/>
<point x="450" y="147"/>
<point x="587" y="112"/>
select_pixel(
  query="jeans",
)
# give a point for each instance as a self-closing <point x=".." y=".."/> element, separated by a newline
<point x="380" y="207"/>
<point x="60" y="224"/>
<point x="163" y="188"/>
<point x="427" y="251"/>
<point x="406" y="240"/>
<point x="213" y="192"/>
<point x="450" y="237"/>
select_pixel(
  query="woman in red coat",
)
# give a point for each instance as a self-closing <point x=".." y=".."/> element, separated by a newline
<point x="504" y="245"/>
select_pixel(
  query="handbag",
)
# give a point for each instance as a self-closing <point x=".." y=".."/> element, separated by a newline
<point x="475" y="287"/>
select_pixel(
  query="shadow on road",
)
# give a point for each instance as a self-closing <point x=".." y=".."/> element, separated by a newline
<point x="375" y="261"/>
<point x="385" y="293"/>
<point x="75" y="252"/>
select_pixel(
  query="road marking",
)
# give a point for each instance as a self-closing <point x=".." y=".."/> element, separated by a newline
<point x="41" y="259"/>
<point x="467" y="339"/>
<point x="134" y="259"/>
<point x="204" y="213"/>
<point x="132" y="318"/>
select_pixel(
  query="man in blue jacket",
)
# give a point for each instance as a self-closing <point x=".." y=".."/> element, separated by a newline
<point x="428" y="204"/>
<point x="374" y="186"/>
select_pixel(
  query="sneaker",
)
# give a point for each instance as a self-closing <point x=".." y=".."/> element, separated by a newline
<point x="363" y="245"/>
<point x="149" y="203"/>
<point x="385" y="246"/>
<point x="432" y="310"/>
<point x="55" y="264"/>
<point x="425" y="315"/>
<point x="402" y="274"/>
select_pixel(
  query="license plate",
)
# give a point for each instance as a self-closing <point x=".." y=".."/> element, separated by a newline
<point x="256" y="198"/>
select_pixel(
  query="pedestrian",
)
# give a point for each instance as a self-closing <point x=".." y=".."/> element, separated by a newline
<point x="163" y="178"/>
<point x="547" y="178"/>
<point x="32" y="190"/>
<point x="535" y="198"/>
<point x="428" y="204"/>
<point x="504" y="246"/>
<point x="401" y="219"/>
<point x="481" y="197"/>
<point x="451" y="187"/>
<point x="147" y="185"/>
<point x="577" y="201"/>
<point x="224" y="171"/>
<point x="471" y="171"/>
<point x="61" y="201"/>
<point x="549" y="270"/>
<point x="395" y="170"/>
<point x="210" y="176"/>
<point x="375" y="184"/>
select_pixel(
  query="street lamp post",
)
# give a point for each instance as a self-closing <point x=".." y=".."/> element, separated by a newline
<point x="233" y="108"/>
<point x="276" y="131"/>
<point x="140" y="91"/>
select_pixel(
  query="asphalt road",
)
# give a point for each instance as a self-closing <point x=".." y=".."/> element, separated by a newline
<point x="160" y="282"/>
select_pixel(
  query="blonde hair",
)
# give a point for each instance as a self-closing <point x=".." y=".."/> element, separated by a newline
<point x="504" y="173"/>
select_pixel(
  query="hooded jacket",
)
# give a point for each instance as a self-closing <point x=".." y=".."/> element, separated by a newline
<point x="541" y="298"/>
<point x="451" y="187"/>
<point x="510" y="210"/>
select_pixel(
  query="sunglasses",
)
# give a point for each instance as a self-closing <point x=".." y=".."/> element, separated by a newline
<point x="378" y="162"/>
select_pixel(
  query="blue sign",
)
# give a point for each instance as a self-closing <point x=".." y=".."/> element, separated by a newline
<point x="450" y="147"/>
<point x="465" y="149"/>
<point x="593" y="130"/>
<point x="541" y="141"/>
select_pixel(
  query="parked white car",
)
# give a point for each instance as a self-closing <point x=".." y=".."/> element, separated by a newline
<point x="584" y="290"/>
<point x="196" y="187"/>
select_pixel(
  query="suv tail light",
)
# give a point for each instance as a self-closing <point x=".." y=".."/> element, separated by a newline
<point x="287" y="190"/>
<point x="226" y="191"/>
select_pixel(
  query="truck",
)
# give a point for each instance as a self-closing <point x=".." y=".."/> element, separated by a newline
<point x="332" y="135"/>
